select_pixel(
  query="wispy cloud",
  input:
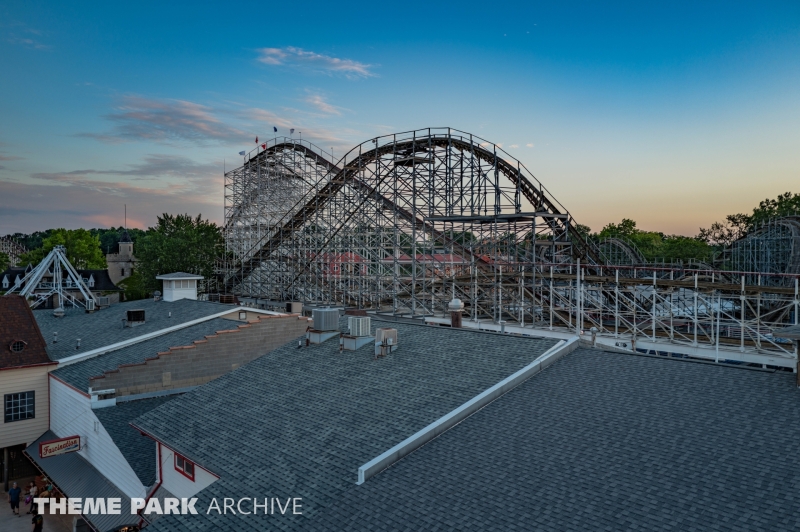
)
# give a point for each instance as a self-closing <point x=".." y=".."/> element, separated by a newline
<point x="268" y="117"/>
<point x="514" y="146"/>
<point x="157" y="184"/>
<point x="529" y="145"/>
<point x="172" y="173"/>
<point x="29" y="43"/>
<point x="21" y="205"/>
<point x="139" y="118"/>
<point x="319" y="103"/>
<point x="298" y="57"/>
<point x="9" y="157"/>
<point x="341" y="138"/>
<point x="21" y="36"/>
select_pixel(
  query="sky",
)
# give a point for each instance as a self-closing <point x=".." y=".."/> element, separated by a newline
<point x="673" y="114"/>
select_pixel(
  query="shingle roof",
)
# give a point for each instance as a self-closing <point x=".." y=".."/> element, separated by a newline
<point x="104" y="327"/>
<point x="18" y="324"/>
<point x="138" y="450"/>
<point x="602" y="441"/>
<point x="78" y="373"/>
<point x="179" y="275"/>
<point x="299" y="422"/>
<point x="102" y="281"/>
<point x="77" y="478"/>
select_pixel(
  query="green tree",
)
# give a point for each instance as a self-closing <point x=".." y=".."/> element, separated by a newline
<point x="584" y="230"/>
<point x="655" y="245"/>
<point x="785" y="204"/>
<point x="736" y="226"/>
<point x="5" y="261"/>
<point x="82" y="249"/>
<point x="134" y="287"/>
<point x="178" y="243"/>
<point x="724" y="233"/>
<point x="33" y="240"/>
<point x="678" y="247"/>
<point x="110" y="237"/>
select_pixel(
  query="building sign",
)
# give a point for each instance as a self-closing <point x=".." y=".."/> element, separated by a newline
<point x="60" y="446"/>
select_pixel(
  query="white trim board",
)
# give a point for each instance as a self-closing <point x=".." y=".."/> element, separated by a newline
<point x="131" y="341"/>
<point x="412" y="443"/>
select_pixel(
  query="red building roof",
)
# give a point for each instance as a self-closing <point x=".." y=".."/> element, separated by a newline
<point x="21" y="341"/>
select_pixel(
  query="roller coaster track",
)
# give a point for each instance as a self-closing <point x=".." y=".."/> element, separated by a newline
<point x="316" y="199"/>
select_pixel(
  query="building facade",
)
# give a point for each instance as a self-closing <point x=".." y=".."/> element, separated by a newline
<point x="122" y="263"/>
<point x="24" y="365"/>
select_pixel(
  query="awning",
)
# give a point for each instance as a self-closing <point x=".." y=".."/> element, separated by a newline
<point x="75" y="477"/>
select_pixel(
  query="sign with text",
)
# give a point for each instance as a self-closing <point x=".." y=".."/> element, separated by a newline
<point x="59" y="446"/>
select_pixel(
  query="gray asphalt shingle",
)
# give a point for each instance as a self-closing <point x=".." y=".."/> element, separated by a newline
<point x="104" y="327"/>
<point x="299" y="422"/>
<point x="602" y="441"/>
<point x="139" y="451"/>
<point x="78" y="373"/>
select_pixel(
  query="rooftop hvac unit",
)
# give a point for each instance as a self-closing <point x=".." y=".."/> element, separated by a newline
<point x="359" y="325"/>
<point x="134" y="318"/>
<point x="89" y="305"/>
<point x="325" y="319"/>
<point x="103" y="301"/>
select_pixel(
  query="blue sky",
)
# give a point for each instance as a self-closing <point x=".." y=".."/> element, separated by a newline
<point x="673" y="114"/>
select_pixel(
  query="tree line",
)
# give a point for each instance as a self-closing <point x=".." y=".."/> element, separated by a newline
<point x="655" y="245"/>
<point x="192" y="244"/>
<point x="177" y="243"/>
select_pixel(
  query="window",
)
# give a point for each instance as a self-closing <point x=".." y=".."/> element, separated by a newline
<point x="184" y="467"/>
<point x="5" y="281"/>
<point x="18" y="406"/>
<point x="17" y="346"/>
<point x="242" y="315"/>
<point x="122" y="272"/>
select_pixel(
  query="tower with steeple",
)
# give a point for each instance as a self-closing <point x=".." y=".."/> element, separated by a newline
<point x="122" y="263"/>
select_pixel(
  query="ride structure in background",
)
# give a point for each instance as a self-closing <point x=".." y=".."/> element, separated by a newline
<point x="770" y="248"/>
<point x="54" y="278"/>
<point x="404" y="223"/>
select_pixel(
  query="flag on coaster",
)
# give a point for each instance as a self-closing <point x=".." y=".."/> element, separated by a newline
<point x="291" y="131"/>
<point x="256" y="140"/>
<point x="275" y="128"/>
<point x="241" y="153"/>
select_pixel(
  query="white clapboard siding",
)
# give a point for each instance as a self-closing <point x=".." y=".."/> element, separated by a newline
<point x="178" y="484"/>
<point x="71" y="414"/>
<point x="25" y="380"/>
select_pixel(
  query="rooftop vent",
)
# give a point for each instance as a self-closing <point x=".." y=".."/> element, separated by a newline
<point x="103" y="301"/>
<point x="134" y="318"/>
<point x="90" y="306"/>
<point x="325" y="319"/>
<point x="359" y="326"/>
<point x="385" y="341"/>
